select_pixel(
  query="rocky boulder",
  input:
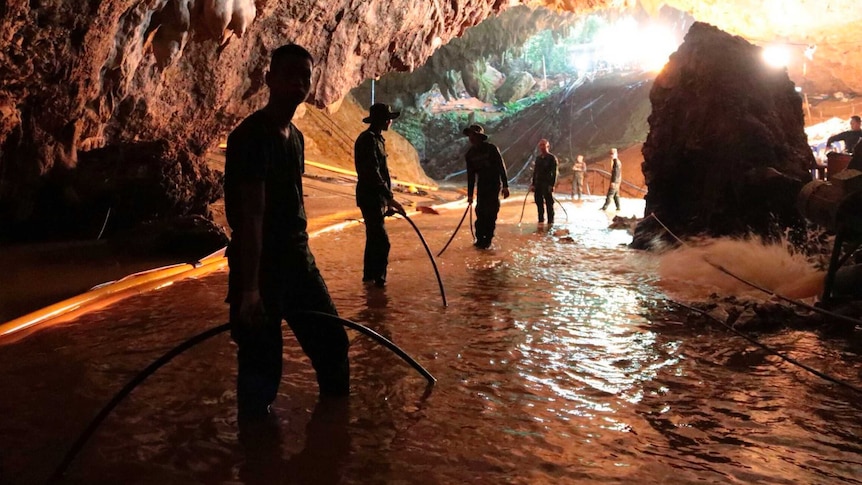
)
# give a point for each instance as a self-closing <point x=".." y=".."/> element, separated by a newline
<point x="726" y="152"/>
<point x="517" y="86"/>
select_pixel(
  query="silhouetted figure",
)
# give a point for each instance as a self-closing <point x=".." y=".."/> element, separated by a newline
<point x="579" y="169"/>
<point x="850" y="137"/>
<point x="544" y="180"/>
<point x="484" y="163"/>
<point x="374" y="191"/>
<point x="616" y="180"/>
<point x="273" y="274"/>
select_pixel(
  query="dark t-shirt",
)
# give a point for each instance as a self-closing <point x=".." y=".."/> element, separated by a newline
<point x="485" y="163"/>
<point x="258" y="152"/>
<point x="849" y="137"/>
<point x="374" y="186"/>
<point x="545" y="171"/>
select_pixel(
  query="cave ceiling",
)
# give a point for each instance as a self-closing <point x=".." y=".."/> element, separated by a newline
<point x="80" y="75"/>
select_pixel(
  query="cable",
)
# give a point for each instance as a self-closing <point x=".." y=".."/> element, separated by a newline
<point x="774" y="352"/>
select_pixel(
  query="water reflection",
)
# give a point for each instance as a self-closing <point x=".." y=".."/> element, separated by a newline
<point x="558" y="361"/>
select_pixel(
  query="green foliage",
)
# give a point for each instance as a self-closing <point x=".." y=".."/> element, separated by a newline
<point x="555" y="49"/>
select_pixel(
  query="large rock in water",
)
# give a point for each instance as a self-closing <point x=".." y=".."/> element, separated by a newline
<point x="726" y="152"/>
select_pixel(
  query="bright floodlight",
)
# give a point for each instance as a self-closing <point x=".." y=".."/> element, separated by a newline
<point x="656" y="44"/>
<point x="776" y="55"/>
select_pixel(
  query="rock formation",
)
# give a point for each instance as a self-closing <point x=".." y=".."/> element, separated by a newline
<point x="726" y="152"/>
<point x="79" y="76"/>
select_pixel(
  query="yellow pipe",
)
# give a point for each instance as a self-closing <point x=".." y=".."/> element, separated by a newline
<point x="134" y="284"/>
<point x="71" y="304"/>
<point x="344" y="171"/>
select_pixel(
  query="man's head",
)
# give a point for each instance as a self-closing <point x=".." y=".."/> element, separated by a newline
<point x="544" y="146"/>
<point x="289" y="75"/>
<point x="380" y="116"/>
<point x="580" y="158"/>
<point x="855" y="123"/>
<point x="476" y="134"/>
<point x="613" y="153"/>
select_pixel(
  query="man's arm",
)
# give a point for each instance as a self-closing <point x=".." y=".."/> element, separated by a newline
<point x="556" y="167"/>
<point x="471" y="181"/>
<point x="501" y="166"/>
<point x="839" y="137"/>
<point x="252" y="200"/>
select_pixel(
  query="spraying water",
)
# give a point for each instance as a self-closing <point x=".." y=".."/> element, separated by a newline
<point x="686" y="273"/>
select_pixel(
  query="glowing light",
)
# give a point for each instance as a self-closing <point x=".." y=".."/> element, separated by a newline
<point x="656" y="46"/>
<point x="776" y="55"/>
<point x="436" y="42"/>
<point x="626" y="44"/>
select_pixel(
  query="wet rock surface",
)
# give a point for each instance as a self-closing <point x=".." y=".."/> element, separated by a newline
<point x="726" y="153"/>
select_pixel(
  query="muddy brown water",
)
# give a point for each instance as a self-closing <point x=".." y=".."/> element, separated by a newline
<point x="559" y="360"/>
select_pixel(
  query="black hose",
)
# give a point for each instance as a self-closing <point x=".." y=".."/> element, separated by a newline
<point x="379" y="338"/>
<point x="561" y="207"/>
<point x="472" y="209"/>
<point x="455" y="232"/>
<point x="430" y="256"/>
<point x="79" y="443"/>
<point x="125" y="391"/>
<point x="523" y="206"/>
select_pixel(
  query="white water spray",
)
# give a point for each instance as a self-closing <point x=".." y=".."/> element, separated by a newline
<point x="687" y="275"/>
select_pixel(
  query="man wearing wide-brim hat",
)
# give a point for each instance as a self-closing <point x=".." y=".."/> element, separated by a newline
<point x="486" y="172"/>
<point x="374" y="191"/>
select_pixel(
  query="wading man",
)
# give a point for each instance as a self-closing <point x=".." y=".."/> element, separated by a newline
<point x="579" y="169"/>
<point x="374" y="191"/>
<point x="273" y="275"/>
<point x="616" y="180"/>
<point x="484" y="163"/>
<point x="544" y="181"/>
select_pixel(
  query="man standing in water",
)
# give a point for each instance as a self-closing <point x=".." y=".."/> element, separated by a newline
<point x="544" y="180"/>
<point x="273" y="275"/>
<point x="616" y="180"/>
<point x="579" y="168"/>
<point x="485" y="163"/>
<point x="374" y="191"/>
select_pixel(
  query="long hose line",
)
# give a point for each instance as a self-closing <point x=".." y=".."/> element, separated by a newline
<point x="82" y="439"/>
<point x="562" y="207"/>
<point x="783" y="357"/>
<point x="452" y="238"/>
<point x="430" y="256"/>
<point x="523" y="206"/>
